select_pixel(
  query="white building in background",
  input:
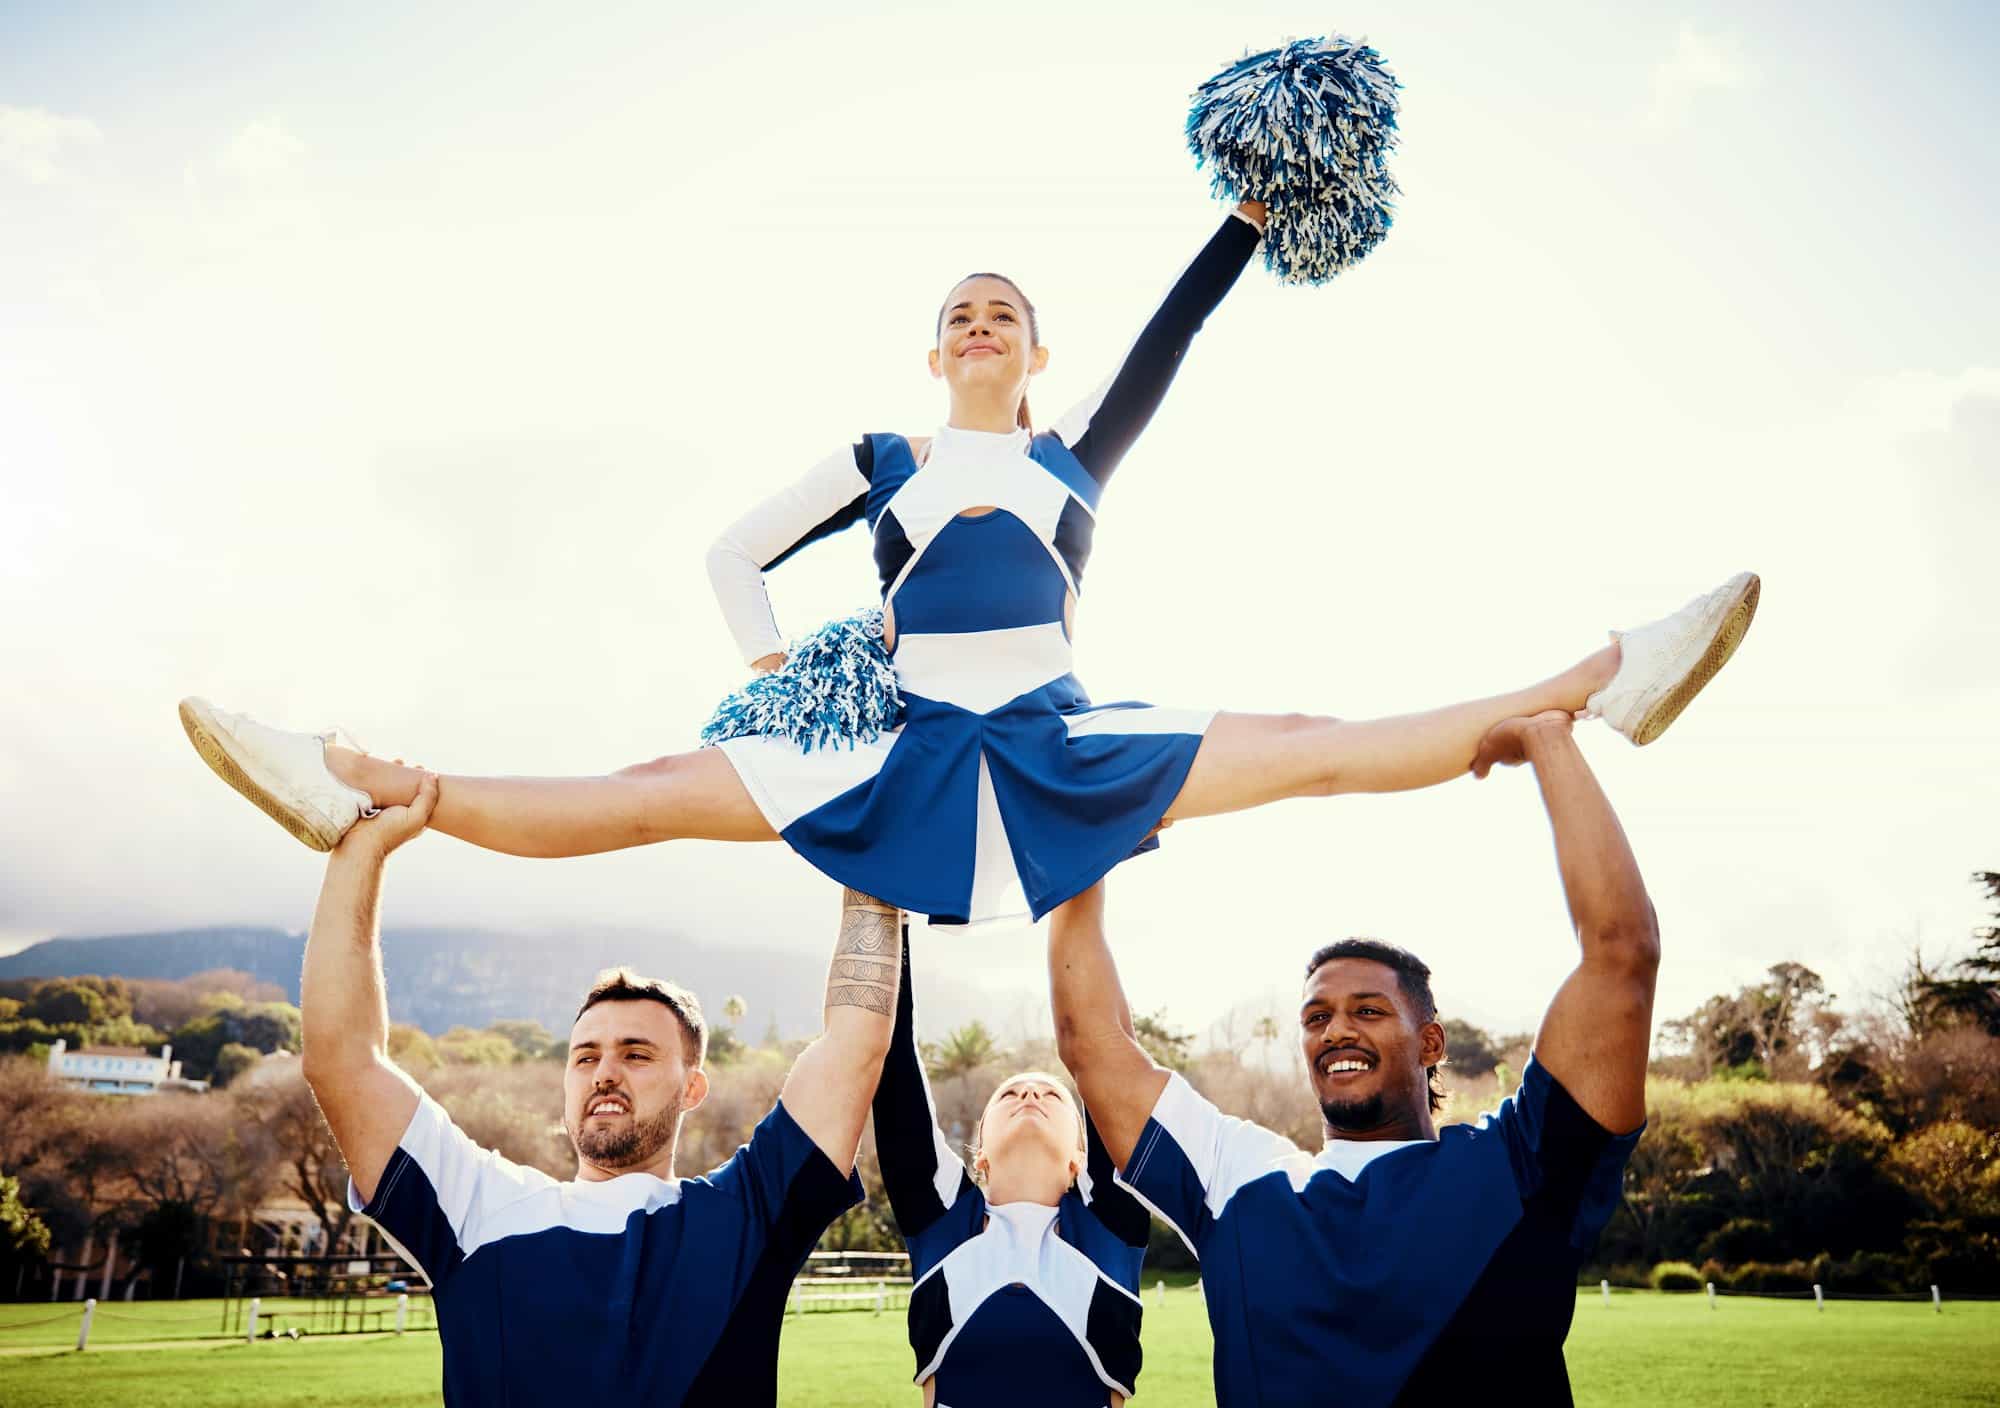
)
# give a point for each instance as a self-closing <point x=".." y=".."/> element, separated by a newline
<point x="118" y="1070"/>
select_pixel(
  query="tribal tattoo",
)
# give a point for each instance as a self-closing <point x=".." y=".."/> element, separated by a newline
<point x="867" y="957"/>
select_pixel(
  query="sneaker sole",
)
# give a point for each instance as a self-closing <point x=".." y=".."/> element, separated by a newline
<point x="310" y="828"/>
<point x="1735" y="625"/>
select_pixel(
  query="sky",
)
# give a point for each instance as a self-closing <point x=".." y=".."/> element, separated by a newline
<point x="394" y="370"/>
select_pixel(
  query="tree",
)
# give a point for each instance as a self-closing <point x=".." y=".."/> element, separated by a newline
<point x="168" y="1003"/>
<point x="1469" y="1050"/>
<point x="1972" y="998"/>
<point x="734" y="1008"/>
<point x="462" y="1046"/>
<point x="282" y="1105"/>
<point x="1769" y="1029"/>
<point x="262" y="1026"/>
<point x="412" y="1048"/>
<point x="23" y="1235"/>
<point x="84" y="1001"/>
<point x="233" y="1060"/>
<point x="962" y="1052"/>
<point x="531" y="1040"/>
<point x="1166" y="1044"/>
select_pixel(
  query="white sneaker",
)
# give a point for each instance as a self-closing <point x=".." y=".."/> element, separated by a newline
<point x="284" y="774"/>
<point x="1664" y="665"/>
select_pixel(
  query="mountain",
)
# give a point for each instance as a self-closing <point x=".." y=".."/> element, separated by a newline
<point x="445" y="977"/>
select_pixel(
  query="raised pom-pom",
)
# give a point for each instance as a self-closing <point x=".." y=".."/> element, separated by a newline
<point x="1306" y="129"/>
<point x="836" y="686"/>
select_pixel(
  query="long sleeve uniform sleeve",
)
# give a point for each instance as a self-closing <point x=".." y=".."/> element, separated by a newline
<point x="831" y="496"/>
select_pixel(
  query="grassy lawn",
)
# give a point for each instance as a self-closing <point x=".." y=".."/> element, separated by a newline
<point x="1642" y="1349"/>
<point x="134" y="1322"/>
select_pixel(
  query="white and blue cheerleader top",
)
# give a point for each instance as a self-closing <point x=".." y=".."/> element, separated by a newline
<point x="1012" y="1303"/>
<point x="1006" y="790"/>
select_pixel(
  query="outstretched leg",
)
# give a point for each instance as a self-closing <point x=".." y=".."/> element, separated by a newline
<point x="1247" y="760"/>
<point x="685" y="796"/>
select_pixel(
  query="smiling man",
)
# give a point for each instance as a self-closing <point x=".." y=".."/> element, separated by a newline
<point x="624" y="1283"/>
<point x="1399" y="1264"/>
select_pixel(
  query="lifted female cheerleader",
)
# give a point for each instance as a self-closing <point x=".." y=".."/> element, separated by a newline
<point x="1005" y="789"/>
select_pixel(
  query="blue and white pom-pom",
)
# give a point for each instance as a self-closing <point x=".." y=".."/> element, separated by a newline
<point x="836" y="686"/>
<point x="1307" y="129"/>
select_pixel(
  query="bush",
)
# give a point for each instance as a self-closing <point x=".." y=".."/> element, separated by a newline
<point x="233" y="1060"/>
<point x="1868" y="1273"/>
<point x="1676" y="1276"/>
<point x="1961" y="1255"/>
<point x="1739" y="1240"/>
<point x="1764" y="1276"/>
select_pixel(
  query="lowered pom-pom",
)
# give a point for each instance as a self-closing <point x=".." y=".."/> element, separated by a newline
<point x="837" y="686"/>
<point x="1306" y="129"/>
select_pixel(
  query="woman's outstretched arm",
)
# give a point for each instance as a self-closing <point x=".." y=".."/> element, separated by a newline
<point x="922" y="1174"/>
<point x="1101" y="429"/>
<point x="832" y="495"/>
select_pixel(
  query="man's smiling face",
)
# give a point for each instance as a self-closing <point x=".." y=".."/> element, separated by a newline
<point x="1367" y="1049"/>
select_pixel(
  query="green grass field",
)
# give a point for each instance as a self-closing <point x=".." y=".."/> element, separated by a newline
<point x="1642" y="1349"/>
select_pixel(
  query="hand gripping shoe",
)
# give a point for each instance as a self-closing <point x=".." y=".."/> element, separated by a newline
<point x="283" y="774"/>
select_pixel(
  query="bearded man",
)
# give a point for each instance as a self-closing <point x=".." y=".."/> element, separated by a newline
<point x="625" y="1283"/>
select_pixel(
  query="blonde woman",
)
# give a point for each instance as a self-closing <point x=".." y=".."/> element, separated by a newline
<point x="1025" y="1254"/>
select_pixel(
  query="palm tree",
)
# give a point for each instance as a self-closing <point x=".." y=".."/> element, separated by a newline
<point x="733" y="1008"/>
<point x="961" y="1052"/>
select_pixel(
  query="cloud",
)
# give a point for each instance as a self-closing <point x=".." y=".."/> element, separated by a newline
<point x="1700" y="63"/>
<point x="1916" y="402"/>
<point x="263" y="149"/>
<point x="34" y="141"/>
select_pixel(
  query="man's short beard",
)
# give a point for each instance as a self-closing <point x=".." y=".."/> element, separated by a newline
<point x="1365" y="1113"/>
<point x="628" y="1145"/>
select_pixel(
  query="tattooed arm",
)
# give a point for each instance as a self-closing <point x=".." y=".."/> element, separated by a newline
<point x="833" y="1081"/>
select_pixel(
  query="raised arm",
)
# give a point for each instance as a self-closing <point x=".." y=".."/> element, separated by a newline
<point x="832" y="495"/>
<point x="1094" y="1037"/>
<point x="1100" y="430"/>
<point x="366" y="1098"/>
<point x="922" y="1174"/>
<point x="833" y="1082"/>
<point x="1595" y="1036"/>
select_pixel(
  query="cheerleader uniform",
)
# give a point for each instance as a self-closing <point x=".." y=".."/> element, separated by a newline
<point x="1014" y="1302"/>
<point x="1006" y="789"/>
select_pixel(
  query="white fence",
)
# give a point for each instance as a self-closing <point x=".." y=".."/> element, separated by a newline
<point x="874" y="1281"/>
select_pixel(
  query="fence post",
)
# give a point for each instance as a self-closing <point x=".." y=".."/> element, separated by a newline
<point x="1819" y="1297"/>
<point x="881" y="1294"/>
<point x="1160" y="1292"/>
<point x="55" y="1286"/>
<point x="1605" y="1286"/>
<point x="250" y="1335"/>
<point x="792" y="1300"/>
<point x="402" y="1311"/>
<point x="83" y="1330"/>
<point x="1711" y="1295"/>
<point x="1937" y="1301"/>
<point x="179" y="1267"/>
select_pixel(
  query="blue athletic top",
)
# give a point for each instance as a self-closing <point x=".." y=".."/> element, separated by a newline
<point x="1006" y="790"/>
<point x="1387" y="1273"/>
<point x="1014" y="1303"/>
<point x="636" y="1290"/>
